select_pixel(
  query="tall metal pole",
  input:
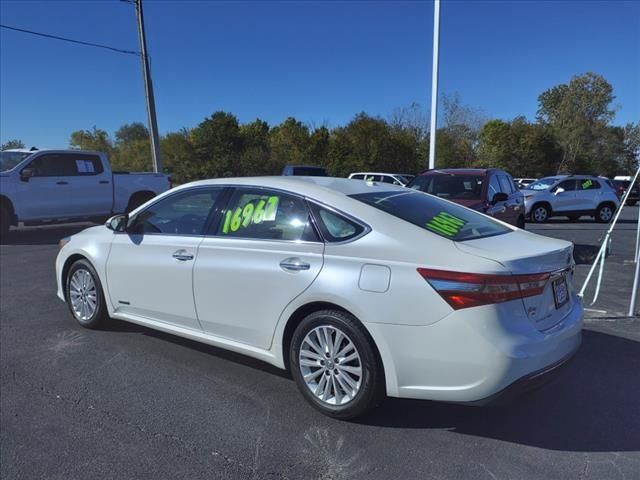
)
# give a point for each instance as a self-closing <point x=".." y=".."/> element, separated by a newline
<point x="148" y="91"/>
<point x="434" y="84"/>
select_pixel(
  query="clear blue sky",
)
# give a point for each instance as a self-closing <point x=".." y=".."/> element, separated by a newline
<point x="321" y="62"/>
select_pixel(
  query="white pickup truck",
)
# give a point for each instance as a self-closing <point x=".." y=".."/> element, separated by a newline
<point x="56" y="186"/>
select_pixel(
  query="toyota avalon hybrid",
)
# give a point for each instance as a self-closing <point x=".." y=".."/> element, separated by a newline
<point x="360" y="289"/>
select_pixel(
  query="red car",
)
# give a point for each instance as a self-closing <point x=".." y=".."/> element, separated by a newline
<point x="487" y="190"/>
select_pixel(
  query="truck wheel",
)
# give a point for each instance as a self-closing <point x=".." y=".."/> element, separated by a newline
<point x="5" y="221"/>
<point x="138" y="199"/>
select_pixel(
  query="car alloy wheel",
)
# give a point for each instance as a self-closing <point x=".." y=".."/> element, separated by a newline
<point x="540" y="214"/>
<point x="330" y="365"/>
<point x="83" y="295"/>
<point x="605" y="213"/>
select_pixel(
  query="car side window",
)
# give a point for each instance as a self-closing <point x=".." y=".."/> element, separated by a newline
<point x="358" y="177"/>
<point x="333" y="226"/>
<point x="505" y="184"/>
<point x="588" y="184"/>
<point x="494" y="187"/>
<point x="54" y="165"/>
<point x="388" y="179"/>
<point x="88" y="164"/>
<point x="567" y="185"/>
<point x="266" y="215"/>
<point x="183" y="213"/>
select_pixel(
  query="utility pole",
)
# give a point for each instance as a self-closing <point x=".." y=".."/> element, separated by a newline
<point x="148" y="91"/>
<point x="434" y="84"/>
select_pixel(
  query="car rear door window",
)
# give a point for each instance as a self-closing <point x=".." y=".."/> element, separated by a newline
<point x="588" y="184"/>
<point x="183" y="213"/>
<point x="267" y="215"/>
<point x="442" y="218"/>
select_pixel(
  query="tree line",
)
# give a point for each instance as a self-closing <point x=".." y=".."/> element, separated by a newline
<point x="572" y="133"/>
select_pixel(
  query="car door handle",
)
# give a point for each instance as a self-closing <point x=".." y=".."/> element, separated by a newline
<point x="62" y="183"/>
<point x="182" y="255"/>
<point x="294" y="264"/>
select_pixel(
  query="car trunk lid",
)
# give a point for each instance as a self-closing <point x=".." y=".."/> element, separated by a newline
<point x="526" y="253"/>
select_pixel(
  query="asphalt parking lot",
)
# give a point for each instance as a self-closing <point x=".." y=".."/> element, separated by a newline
<point x="129" y="402"/>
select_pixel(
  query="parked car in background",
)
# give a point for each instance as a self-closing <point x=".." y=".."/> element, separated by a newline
<point x="392" y="178"/>
<point x="304" y="170"/>
<point x="621" y="185"/>
<point x="55" y="186"/>
<point x="360" y="289"/>
<point x="524" y="182"/>
<point x="490" y="191"/>
<point x="570" y="196"/>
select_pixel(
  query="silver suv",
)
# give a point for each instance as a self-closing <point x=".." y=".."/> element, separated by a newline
<point x="570" y="196"/>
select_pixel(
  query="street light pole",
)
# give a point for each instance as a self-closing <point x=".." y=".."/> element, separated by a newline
<point x="148" y="90"/>
<point x="434" y="84"/>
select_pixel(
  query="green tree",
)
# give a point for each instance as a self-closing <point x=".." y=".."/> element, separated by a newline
<point x="11" y="144"/>
<point x="255" y="158"/>
<point x="94" y="139"/>
<point x="132" y="148"/>
<point x="217" y="144"/>
<point x="289" y="144"/>
<point x="178" y="155"/>
<point x="576" y="112"/>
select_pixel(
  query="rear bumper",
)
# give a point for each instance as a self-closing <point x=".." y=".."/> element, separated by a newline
<point x="528" y="383"/>
<point x="475" y="355"/>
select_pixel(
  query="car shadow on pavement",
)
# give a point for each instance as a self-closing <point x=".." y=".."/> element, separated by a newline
<point x="593" y="406"/>
<point x="45" y="235"/>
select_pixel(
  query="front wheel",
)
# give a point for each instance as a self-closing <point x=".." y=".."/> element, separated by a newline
<point x="84" y="295"/>
<point x="335" y="365"/>
<point x="540" y="213"/>
<point x="604" y="214"/>
<point x="5" y="221"/>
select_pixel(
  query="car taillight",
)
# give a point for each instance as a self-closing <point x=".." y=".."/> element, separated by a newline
<point x="464" y="290"/>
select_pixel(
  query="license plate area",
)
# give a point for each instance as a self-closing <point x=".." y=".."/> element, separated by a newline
<point x="560" y="291"/>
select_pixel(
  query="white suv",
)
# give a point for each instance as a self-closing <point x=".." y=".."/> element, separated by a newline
<point x="570" y="196"/>
<point x="392" y="178"/>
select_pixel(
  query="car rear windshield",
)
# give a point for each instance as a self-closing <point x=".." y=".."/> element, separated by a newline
<point x="310" y="171"/>
<point x="433" y="214"/>
<point x="451" y="187"/>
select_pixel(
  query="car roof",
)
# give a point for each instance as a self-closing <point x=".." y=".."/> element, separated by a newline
<point x="303" y="185"/>
<point x="374" y="173"/>
<point x="459" y="171"/>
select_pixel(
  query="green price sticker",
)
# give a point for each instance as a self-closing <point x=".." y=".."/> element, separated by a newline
<point x="586" y="184"/>
<point x="445" y="224"/>
<point x="242" y="217"/>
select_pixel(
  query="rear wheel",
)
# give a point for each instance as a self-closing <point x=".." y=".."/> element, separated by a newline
<point x="84" y="295"/>
<point x="604" y="214"/>
<point x="540" y="213"/>
<point x="335" y="365"/>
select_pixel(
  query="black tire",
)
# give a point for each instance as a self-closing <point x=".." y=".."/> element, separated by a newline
<point x="138" y="199"/>
<point x="371" y="389"/>
<point x="520" y="223"/>
<point x="604" y="213"/>
<point x="631" y="203"/>
<point x="100" y="315"/>
<point x="540" y="213"/>
<point x="5" y="221"/>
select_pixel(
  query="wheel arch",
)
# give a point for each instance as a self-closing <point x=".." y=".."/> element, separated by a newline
<point x="145" y="195"/>
<point x="67" y="266"/>
<point x="7" y="203"/>
<point x="301" y="312"/>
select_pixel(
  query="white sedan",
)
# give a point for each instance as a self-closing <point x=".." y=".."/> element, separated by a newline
<point x="361" y="289"/>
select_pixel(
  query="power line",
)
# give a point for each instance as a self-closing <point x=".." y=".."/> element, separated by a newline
<point x="80" y="42"/>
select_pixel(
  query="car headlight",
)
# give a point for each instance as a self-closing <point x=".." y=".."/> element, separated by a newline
<point x="63" y="241"/>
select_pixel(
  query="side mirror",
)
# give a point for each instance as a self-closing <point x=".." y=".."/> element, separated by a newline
<point x="118" y="223"/>
<point x="499" y="197"/>
<point x="558" y="190"/>
<point x="26" y="174"/>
